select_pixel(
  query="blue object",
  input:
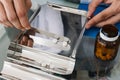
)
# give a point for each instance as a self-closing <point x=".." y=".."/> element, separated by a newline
<point x="92" y="32"/>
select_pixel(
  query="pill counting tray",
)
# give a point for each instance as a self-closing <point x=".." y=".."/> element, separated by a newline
<point x="42" y="60"/>
<point x="16" y="71"/>
<point x="35" y="60"/>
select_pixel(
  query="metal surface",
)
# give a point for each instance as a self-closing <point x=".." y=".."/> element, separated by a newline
<point x="60" y="2"/>
<point x="13" y="71"/>
<point x="6" y="36"/>
<point x="37" y="59"/>
<point x="60" y="68"/>
<point x="85" y="54"/>
<point x="11" y="34"/>
<point x="54" y="43"/>
<point x="67" y="9"/>
<point x="78" y="41"/>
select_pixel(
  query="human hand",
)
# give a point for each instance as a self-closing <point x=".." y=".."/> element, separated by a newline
<point x="14" y="13"/>
<point x="26" y="41"/>
<point x="110" y="15"/>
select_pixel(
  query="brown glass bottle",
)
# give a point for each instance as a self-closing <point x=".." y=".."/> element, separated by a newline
<point x="107" y="43"/>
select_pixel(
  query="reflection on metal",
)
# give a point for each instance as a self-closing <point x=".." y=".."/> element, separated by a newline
<point x="37" y="59"/>
<point x="66" y="9"/>
<point x="52" y="35"/>
<point x="13" y="71"/>
<point x="7" y="77"/>
<point x="39" y="62"/>
<point x="78" y="41"/>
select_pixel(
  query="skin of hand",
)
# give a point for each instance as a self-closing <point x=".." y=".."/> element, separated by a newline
<point x="110" y="15"/>
<point x="26" y="41"/>
<point x="14" y="13"/>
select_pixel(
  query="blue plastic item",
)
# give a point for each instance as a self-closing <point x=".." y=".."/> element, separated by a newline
<point x="92" y="32"/>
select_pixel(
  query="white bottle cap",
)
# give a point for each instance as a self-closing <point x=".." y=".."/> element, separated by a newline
<point x="108" y="38"/>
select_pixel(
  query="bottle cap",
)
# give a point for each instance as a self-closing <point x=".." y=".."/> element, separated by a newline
<point x="109" y="33"/>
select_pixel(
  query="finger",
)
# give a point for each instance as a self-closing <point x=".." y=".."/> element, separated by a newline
<point x="3" y="17"/>
<point x="92" y="7"/>
<point x="105" y="14"/>
<point x="112" y="20"/>
<point x="22" y="43"/>
<point x="28" y="4"/>
<point x="108" y="1"/>
<point x="5" y="25"/>
<point x="25" y="39"/>
<point x="22" y="13"/>
<point x="30" y="42"/>
<point x="10" y="12"/>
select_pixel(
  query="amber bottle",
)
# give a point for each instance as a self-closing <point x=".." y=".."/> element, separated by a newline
<point x="107" y="43"/>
